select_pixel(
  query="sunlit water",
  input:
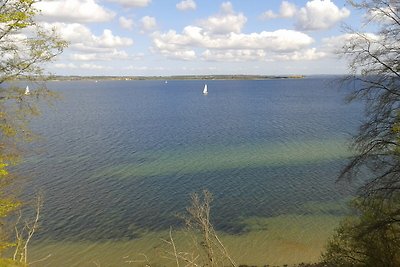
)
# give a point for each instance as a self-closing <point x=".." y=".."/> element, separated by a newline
<point x="118" y="160"/>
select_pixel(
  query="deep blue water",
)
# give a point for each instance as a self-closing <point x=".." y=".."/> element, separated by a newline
<point x="118" y="157"/>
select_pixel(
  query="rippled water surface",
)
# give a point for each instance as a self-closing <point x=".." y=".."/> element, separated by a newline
<point x="118" y="159"/>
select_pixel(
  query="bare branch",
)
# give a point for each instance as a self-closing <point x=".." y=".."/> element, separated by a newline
<point x="24" y="234"/>
<point x="374" y="60"/>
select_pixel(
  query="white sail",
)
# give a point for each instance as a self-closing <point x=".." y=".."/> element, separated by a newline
<point x="205" y="90"/>
<point x="27" y="90"/>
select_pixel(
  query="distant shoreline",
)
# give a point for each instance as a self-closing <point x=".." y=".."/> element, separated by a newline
<point x="175" y="77"/>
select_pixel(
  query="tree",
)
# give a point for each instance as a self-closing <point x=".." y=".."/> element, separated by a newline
<point x="25" y="47"/>
<point x="23" y="53"/>
<point x="369" y="239"/>
<point x="374" y="63"/>
<point x="372" y="236"/>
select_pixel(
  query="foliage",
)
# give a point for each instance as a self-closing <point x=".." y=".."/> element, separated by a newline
<point x="370" y="239"/>
<point x="11" y="263"/>
<point x="25" y="47"/>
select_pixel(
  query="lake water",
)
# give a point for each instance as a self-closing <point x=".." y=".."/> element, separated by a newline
<point x="117" y="160"/>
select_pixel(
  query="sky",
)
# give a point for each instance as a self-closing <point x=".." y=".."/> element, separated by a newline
<point x="198" y="37"/>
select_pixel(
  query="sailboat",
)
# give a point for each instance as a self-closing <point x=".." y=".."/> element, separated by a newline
<point x="205" y="90"/>
<point x="27" y="90"/>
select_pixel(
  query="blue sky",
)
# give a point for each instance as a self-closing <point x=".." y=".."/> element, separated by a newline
<point x="175" y="37"/>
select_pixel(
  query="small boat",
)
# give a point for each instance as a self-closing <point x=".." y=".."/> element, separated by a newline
<point x="27" y="92"/>
<point x="166" y="81"/>
<point x="205" y="90"/>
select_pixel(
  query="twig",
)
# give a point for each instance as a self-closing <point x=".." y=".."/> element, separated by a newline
<point x="173" y="246"/>
<point x="224" y="251"/>
<point x="40" y="260"/>
<point x="139" y="261"/>
<point x="24" y="235"/>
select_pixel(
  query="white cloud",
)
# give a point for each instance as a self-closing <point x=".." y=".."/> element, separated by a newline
<point x="320" y="15"/>
<point x="186" y="54"/>
<point x="106" y="56"/>
<point x="91" y="66"/>
<point x="65" y="66"/>
<point x="269" y="14"/>
<point x="287" y="10"/>
<point x="336" y="43"/>
<point x="90" y="47"/>
<point x="82" y="39"/>
<point x="220" y="37"/>
<point x="186" y="5"/>
<point x="226" y="22"/>
<point x="72" y="32"/>
<point x="143" y="68"/>
<point x="73" y="11"/>
<point x="233" y="45"/>
<point x="238" y="55"/>
<point x="132" y="3"/>
<point x="307" y="54"/>
<point x="88" y="66"/>
<point x="280" y="40"/>
<point x="383" y="15"/>
<point x="148" y="23"/>
<point x="126" y="23"/>
<point x="107" y="39"/>
<point x="84" y="57"/>
<point x="227" y="7"/>
<point x="315" y="15"/>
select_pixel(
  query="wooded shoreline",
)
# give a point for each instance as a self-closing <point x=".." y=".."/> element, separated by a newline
<point x="176" y="77"/>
